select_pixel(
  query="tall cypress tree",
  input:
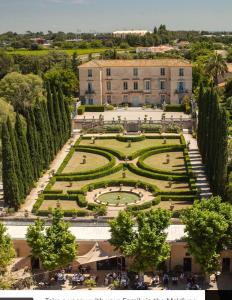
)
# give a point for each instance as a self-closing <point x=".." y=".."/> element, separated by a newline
<point x="31" y="140"/>
<point x="38" y="145"/>
<point x="24" y="155"/>
<point x="68" y="116"/>
<point x="41" y="129"/>
<point x="10" y="183"/>
<point x="16" y="159"/>
<point x="50" y="139"/>
<point x="200" y="117"/>
<point x="52" y="119"/>
<point x="63" y="114"/>
<point x="59" y="133"/>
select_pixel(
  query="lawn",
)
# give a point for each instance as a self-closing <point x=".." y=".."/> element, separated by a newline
<point x="64" y="204"/>
<point x="68" y="51"/>
<point x="159" y="161"/>
<point x="161" y="184"/>
<point x="93" y="161"/>
<point x="125" y="197"/>
<point x="178" y="205"/>
<point x="124" y="146"/>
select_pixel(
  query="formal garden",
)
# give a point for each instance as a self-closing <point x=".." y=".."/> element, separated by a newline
<point x="103" y="173"/>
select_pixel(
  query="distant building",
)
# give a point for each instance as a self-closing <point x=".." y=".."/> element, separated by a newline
<point x="135" y="82"/>
<point x="124" y="33"/>
<point x="158" y="49"/>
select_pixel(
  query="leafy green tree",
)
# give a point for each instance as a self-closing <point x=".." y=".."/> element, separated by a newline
<point x="209" y="231"/>
<point x="146" y="246"/>
<point x="9" y="177"/>
<point x="21" y="91"/>
<point x="55" y="246"/>
<point x="65" y="78"/>
<point x="6" y="63"/>
<point x="216" y="66"/>
<point x="7" y="252"/>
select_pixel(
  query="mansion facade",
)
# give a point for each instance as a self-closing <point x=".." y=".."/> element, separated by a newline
<point x="135" y="82"/>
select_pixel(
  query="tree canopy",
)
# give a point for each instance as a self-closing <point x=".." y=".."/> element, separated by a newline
<point x="21" y="90"/>
<point x="7" y="252"/>
<point x="55" y="245"/>
<point x="64" y="78"/>
<point x="209" y="231"/>
<point x="143" y="239"/>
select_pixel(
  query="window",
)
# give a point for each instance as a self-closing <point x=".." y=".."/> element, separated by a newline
<point x="108" y="72"/>
<point x="125" y="85"/>
<point x="90" y="87"/>
<point x="147" y="85"/>
<point x="136" y="85"/>
<point x="90" y="101"/>
<point x="125" y="99"/>
<point x="162" y="85"/>
<point x="162" y="71"/>
<point x="180" y="87"/>
<point x="181" y="72"/>
<point x="108" y="85"/>
<point x="90" y="72"/>
<point x="108" y="99"/>
<point x="135" y="72"/>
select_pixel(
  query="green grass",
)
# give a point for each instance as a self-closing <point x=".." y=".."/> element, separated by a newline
<point x="123" y="146"/>
<point x="159" y="161"/>
<point x="68" y="51"/>
<point x="93" y="161"/>
<point x="112" y="197"/>
<point x="161" y="184"/>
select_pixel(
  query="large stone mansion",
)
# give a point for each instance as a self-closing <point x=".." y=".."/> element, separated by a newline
<point x="135" y="82"/>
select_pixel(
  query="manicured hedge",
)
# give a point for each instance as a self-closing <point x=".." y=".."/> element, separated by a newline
<point x="177" y="193"/>
<point x="153" y="175"/>
<point x="37" y="204"/>
<point x="81" y="110"/>
<point x="66" y="160"/>
<point x="172" y="128"/>
<point x="178" y="198"/>
<point x="174" y="108"/>
<point x="132" y="139"/>
<point x="79" y="198"/>
<point x="94" y="108"/>
<point x="145" y="205"/>
<point x="116" y="153"/>
<point x="151" y="128"/>
<point x="107" y="155"/>
<point x="53" y="192"/>
<point x="114" y="128"/>
<point x="89" y="176"/>
<point x="152" y="188"/>
<point x="144" y="166"/>
<point x="67" y="213"/>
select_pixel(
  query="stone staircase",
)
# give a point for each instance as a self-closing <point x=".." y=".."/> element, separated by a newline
<point x="198" y="168"/>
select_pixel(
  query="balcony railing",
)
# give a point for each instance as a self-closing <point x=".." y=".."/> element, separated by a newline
<point x="181" y="91"/>
<point x="89" y="92"/>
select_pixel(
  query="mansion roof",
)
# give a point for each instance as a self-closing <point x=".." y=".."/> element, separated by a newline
<point x="166" y="62"/>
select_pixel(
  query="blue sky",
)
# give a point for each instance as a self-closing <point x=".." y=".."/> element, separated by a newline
<point x="109" y="15"/>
